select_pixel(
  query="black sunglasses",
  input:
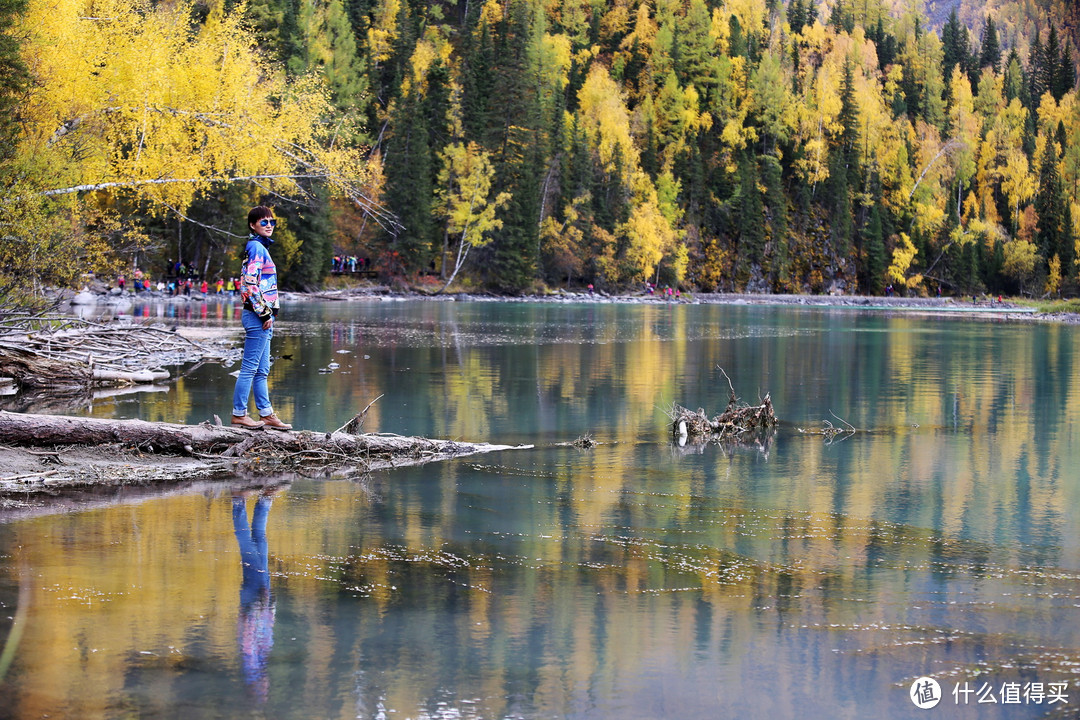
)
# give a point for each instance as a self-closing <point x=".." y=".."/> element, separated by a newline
<point x="268" y="223"/>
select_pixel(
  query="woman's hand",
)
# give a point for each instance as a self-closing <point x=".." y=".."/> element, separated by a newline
<point x="268" y="322"/>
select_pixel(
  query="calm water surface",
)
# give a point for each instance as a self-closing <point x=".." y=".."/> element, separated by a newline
<point x="799" y="578"/>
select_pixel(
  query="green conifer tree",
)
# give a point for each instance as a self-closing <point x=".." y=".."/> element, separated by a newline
<point x="954" y="41"/>
<point x="14" y="77"/>
<point x="842" y="207"/>
<point x="737" y="45"/>
<point x="1054" y="234"/>
<point x="693" y="48"/>
<point x="873" y="241"/>
<point x="1065" y="72"/>
<point x="523" y="144"/>
<point x="342" y="69"/>
<point x="478" y="85"/>
<point x="844" y="172"/>
<point x="796" y="15"/>
<point x="1050" y="69"/>
<point x="312" y="225"/>
<point x="1037" y="77"/>
<point x="777" y="214"/>
<point x="751" y="215"/>
<point x="990" y="51"/>
<point x="1013" y="78"/>
<point x="410" y="168"/>
<point x="275" y="21"/>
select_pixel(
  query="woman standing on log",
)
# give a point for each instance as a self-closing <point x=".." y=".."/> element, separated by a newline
<point x="259" y="291"/>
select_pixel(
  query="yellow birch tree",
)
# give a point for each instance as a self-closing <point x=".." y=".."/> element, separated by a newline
<point x="129" y="103"/>
<point x="464" y="201"/>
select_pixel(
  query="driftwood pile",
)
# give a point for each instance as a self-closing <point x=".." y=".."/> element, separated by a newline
<point x="68" y="354"/>
<point x="739" y="421"/>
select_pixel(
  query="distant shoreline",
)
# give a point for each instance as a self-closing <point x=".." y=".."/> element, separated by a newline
<point x="984" y="306"/>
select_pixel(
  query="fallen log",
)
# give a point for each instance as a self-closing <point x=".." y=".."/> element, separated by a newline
<point x="218" y="447"/>
<point x="134" y="376"/>
<point x="32" y="370"/>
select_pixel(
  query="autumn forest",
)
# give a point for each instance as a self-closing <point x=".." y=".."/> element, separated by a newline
<point x="713" y="145"/>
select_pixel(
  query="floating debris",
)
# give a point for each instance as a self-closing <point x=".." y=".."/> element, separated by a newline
<point x="737" y="420"/>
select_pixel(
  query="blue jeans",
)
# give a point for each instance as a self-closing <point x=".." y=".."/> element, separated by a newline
<point x="254" y="367"/>
<point x="253" y="552"/>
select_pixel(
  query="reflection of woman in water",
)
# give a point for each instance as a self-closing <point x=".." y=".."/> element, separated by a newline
<point x="255" y="624"/>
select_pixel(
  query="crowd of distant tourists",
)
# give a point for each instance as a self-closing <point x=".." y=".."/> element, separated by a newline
<point x="181" y="282"/>
<point x="181" y="279"/>
<point x="349" y="264"/>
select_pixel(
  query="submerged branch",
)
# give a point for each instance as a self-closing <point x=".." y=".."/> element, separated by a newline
<point x="829" y="431"/>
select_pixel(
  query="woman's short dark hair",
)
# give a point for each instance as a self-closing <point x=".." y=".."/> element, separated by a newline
<point x="258" y="213"/>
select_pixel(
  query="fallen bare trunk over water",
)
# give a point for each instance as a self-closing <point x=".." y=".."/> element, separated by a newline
<point x="135" y="451"/>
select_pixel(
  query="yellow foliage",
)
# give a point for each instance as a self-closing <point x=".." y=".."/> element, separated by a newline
<point x="719" y="30"/>
<point x="463" y="198"/>
<point x="602" y="252"/>
<point x="677" y="116"/>
<point x="817" y="40"/>
<point x="1075" y="209"/>
<point x="1017" y="181"/>
<point x="929" y="196"/>
<point x="615" y="20"/>
<point x="965" y="126"/>
<point x="55" y="242"/>
<point x="604" y="115"/>
<point x="128" y="100"/>
<point x="928" y="216"/>
<point x="985" y="176"/>
<point x="127" y="97"/>
<point x="556" y="60"/>
<point x="648" y="234"/>
<point x="827" y="99"/>
<point x="383" y="31"/>
<point x="490" y="14"/>
<point x="1053" y="278"/>
<point x="1051" y="112"/>
<point x="424" y="54"/>
<point x="679" y="260"/>
<point x="561" y="246"/>
<point x="1019" y="259"/>
<point x="751" y="15"/>
<point x="894" y="168"/>
<point x="813" y="166"/>
<point x="903" y="255"/>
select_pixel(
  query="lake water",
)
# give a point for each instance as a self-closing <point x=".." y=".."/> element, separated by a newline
<point x="801" y="577"/>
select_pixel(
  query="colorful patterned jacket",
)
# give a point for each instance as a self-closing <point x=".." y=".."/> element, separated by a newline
<point x="258" y="280"/>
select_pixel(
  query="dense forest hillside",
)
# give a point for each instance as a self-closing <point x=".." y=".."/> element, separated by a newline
<point x="752" y="145"/>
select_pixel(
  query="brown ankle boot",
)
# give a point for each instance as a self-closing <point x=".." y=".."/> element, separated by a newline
<point x="245" y="422"/>
<point x="273" y="422"/>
